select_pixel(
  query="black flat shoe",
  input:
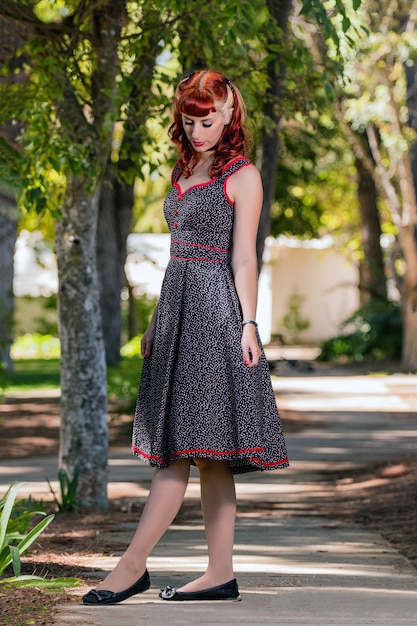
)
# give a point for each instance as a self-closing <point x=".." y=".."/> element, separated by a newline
<point x="228" y="591"/>
<point x="101" y="596"/>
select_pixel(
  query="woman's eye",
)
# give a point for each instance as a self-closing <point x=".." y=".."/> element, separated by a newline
<point x="187" y="123"/>
<point x="207" y="125"/>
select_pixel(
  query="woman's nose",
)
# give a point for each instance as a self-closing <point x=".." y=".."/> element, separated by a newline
<point x="196" y="131"/>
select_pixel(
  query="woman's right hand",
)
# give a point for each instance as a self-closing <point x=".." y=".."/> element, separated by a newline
<point x="147" y="341"/>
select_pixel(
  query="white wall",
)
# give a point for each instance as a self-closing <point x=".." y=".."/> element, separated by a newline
<point x="319" y="273"/>
<point x="147" y="258"/>
<point x="35" y="271"/>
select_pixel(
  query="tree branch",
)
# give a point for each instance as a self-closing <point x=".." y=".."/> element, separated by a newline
<point x="375" y="168"/>
<point x="382" y="174"/>
<point x="405" y="175"/>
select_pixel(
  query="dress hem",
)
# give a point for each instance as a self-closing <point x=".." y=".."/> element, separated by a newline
<point x="240" y="463"/>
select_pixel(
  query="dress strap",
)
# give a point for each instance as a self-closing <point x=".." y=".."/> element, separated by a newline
<point x="235" y="165"/>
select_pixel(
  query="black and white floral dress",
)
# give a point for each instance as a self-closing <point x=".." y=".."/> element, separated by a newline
<point x="196" y="397"/>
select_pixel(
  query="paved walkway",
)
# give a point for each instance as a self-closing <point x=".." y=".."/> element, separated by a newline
<point x="297" y="568"/>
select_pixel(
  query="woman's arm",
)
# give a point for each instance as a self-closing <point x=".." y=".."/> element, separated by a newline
<point x="245" y="189"/>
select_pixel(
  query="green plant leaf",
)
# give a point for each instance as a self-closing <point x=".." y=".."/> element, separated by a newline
<point x="5" y="558"/>
<point x="68" y="490"/>
<point x="34" y="533"/>
<point x="15" y="558"/>
<point x="52" y="584"/>
<point x="9" y="499"/>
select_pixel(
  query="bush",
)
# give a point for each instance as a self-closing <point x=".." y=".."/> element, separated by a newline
<point x="131" y="349"/>
<point x="123" y="380"/>
<point x="36" y="346"/>
<point x="376" y="334"/>
<point x="293" y="323"/>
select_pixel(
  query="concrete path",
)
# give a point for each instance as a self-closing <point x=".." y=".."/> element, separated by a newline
<point x="295" y="567"/>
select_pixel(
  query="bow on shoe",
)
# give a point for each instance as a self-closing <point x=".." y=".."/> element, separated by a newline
<point x="99" y="597"/>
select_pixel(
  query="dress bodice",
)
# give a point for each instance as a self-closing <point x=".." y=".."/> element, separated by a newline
<point x="203" y="214"/>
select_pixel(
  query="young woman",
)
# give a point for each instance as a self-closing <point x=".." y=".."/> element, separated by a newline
<point x="205" y="395"/>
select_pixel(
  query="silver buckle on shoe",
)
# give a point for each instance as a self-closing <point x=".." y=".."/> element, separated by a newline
<point x="168" y="592"/>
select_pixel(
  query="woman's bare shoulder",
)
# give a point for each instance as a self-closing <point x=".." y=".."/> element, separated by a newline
<point x="248" y="173"/>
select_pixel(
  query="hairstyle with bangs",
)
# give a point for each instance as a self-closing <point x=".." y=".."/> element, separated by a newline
<point x="198" y="95"/>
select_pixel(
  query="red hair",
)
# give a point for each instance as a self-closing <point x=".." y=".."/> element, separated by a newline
<point x="198" y="95"/>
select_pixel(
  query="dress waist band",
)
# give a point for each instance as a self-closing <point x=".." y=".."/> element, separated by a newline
<point x="186" y="251"/>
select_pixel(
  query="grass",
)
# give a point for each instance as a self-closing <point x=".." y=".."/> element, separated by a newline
<point x="29" y="374"/>
<point x="36" y="365"/>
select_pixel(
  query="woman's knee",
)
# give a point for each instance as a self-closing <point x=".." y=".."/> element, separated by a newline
<point x="211" y="465"/>
<point x="180" y="467"/>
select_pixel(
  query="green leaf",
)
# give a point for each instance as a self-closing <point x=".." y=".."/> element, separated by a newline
<point x="44" y="583"/>
<point x="275" y="48"/>
<point x="15" y="556"/>
<point x="34" y="533"/>
<point x="345" y="23"/>
<point x="9" y="499"/>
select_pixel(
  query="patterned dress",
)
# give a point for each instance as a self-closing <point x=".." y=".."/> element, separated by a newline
<point x="196" y="397"/>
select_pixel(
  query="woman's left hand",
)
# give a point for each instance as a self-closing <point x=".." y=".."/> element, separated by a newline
<point x="250" y="346"/>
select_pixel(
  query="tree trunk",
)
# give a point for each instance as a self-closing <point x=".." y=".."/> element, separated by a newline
<point x="409" y="353"/>
<point x="408" y="238"/>
<point x="84" y="437"/>
<point x="372" y="284"/>
<point x="13" y="34"/>
<point x="114" y="222"/>
<point x="84" y="432"/>
<point x="270" y="138"/>
<point x="117" y="195"/>
<point x="132" y="316"/>
<point x="8" y="231"/>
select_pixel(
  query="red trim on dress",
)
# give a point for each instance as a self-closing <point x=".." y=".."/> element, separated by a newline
<point x="182" y="193"/>
<point x="194" y="258"/>
<point x="197" y="451"/>
<point x="272" y="464"/>
<point x="199" y="245"/>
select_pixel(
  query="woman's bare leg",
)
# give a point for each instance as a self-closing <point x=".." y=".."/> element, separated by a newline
<point x="163" y="503"/>
<point x="218" y="503"/>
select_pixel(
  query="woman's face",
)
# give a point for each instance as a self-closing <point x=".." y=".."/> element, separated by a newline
<point x="204" y="132"/>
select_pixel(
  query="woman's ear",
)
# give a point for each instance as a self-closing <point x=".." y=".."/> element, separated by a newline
<point x="228" y="117"/>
